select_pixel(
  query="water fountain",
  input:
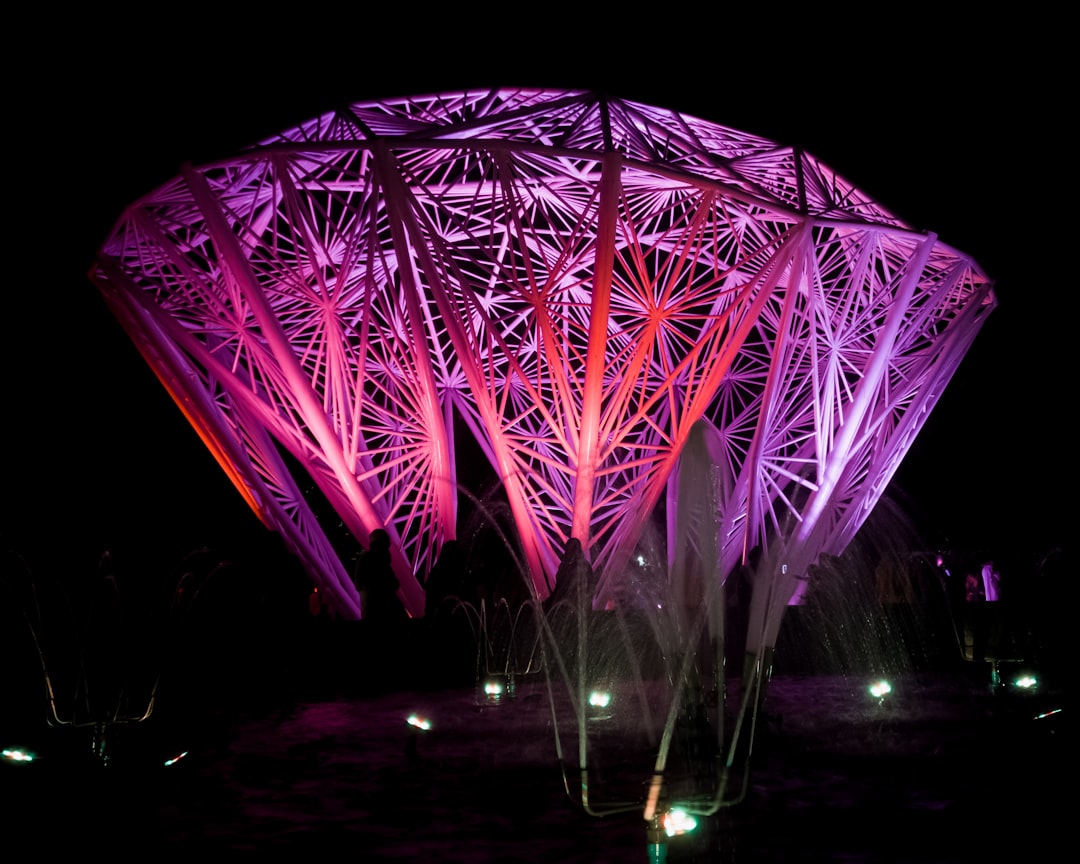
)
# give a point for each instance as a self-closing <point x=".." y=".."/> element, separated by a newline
<point x="629" y="711"/>
<point x="646" y="686"/>
<point x="625" y="310"/>
<point x="664" y="705"/>
<point x="100" y="651"/>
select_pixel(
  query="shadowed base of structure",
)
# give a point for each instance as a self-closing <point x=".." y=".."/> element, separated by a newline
<point x="944" y="771"/>
<point x="305" y="748"/>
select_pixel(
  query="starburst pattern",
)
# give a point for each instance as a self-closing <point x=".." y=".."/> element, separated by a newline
<point x="580" y="282"/>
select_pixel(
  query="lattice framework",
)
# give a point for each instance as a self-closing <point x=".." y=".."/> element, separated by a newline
<point x="581" y="282"/>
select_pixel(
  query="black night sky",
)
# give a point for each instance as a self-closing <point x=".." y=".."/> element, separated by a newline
<point x="959" y="131"/>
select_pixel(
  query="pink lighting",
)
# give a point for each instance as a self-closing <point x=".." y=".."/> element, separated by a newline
<point x="580" y="282"/>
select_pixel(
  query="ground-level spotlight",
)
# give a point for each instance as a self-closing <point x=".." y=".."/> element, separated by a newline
<point x="495" y="688"/>
<point x="677" y="822"/>
<point x="17" y="755"/>
<point x="417" y="725"/>
<point x="1025" y="682"/>
<point x="416" y="721"/>
<point x="600" y="705"/>
<point x="662" y="827"/>
<point x="880" y="689"/>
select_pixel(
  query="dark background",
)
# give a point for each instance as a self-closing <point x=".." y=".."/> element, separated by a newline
<point x="958" y="128"/>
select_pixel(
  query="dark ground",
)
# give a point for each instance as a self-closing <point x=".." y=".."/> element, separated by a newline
<point x="305" y="751"/>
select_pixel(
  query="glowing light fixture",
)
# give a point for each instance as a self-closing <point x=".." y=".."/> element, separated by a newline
<point x="880" y="689"/>
<point x="17" y="755"/>
<point x="677" y="821"/>
<point x="600" y="704"/>
<point x="599" y="699"/>
<point x="418" y="722"/>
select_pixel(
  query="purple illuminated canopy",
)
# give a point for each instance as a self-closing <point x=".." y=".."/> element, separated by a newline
<point x="588" y="285"/>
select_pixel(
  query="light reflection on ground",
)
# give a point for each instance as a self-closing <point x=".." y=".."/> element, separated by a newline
<point x="936" y="771"/>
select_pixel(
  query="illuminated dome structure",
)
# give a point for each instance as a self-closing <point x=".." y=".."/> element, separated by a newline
<point x="583" y="286"/>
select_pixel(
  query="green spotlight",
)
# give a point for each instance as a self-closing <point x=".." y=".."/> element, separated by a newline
<point x="880" y="689"/>
<point x="17" y="754"/>
<point x="677" y="821"/>
<point x="418" y="722"/>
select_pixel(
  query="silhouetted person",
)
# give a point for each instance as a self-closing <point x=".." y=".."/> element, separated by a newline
<point x="452" y="647"/>
<point x="318" y="606"/>
<point x="375" y="581"/>
<point x="892" y="579"/>
<point x="574" y="575"/>
<point x="973" y="589"/>
<point x="737" y="590"/>
<point x="994" y="640"/>
<point x="991" y="579"/>
<point x="570" y="602"/>
<point x="975" y="617"/>
<point x="446" y="580"/>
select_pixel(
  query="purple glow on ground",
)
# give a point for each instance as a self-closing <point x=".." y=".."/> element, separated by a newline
<point x="835" y="780"/>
